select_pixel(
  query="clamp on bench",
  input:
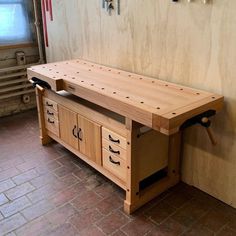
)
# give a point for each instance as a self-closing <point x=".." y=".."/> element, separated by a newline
<point x="39" y="84"/>
<point x="203" y="120"/>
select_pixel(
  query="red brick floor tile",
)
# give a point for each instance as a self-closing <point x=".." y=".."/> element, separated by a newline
<point x="198" y="230"/>
<point x="92" y="231"/>
<point x="83" y="173"/>
<point x="190" y="213"/>
<point x="19" y="191"/>
<point x="112" y="222"/>
<point x="65" y="196"/>
<point x="160" y="212"/>
<point x="6" y="184"/>
<point x="105" y="190"/>
<point x="232" y="222"/>
<point x="167" y="228"/>
<point x="11" y="234"/>
<point x="177" y="199"/>
<point x="9" y="173"/>
<point x="28" y="165"/>
<point x="5" y="165"/>
<point x="227" y="232"/>
<point x="1" y="216"/>
<point x="43" y="180"/>
<point x="3" y="199"/>
<point x="214" y="220"/>
<point x="47" y="168"/>
<point x="47" y="191"/>
<point x="69" y="179"/>
<point x="85" y="219"/>
<point x="15" y="206"/>
<point x="39" y="226"/>
<point x="65" y="229"/>
<point x="92" y="182"/>
<point x="63" y="171"/>
<point x="109" y="204"/>
<point x="138" y="227"/>
<point x="26" y="176"/>
<point x="61" y="215"/>
<point x="119" y="233"/>
<point x="86" y="200"/>
<point x="9" y="224"/>
<point x="37" y="210"/>
<point x="177" y="211"/>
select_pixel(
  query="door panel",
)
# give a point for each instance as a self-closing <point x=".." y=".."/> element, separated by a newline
<point x="90" y="139"/>
<point x="68" y="126"/>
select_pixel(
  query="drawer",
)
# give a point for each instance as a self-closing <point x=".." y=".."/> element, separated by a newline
<point x="52" y="125"/>
<point x="48" y="103"/>
<point x="114" y="164"/>
<point x="114" y="149"/>
<point x="50" y="113"/>
<point x="113" y="138"/>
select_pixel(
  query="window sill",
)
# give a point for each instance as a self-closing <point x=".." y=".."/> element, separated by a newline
<point x="15" y="46"/>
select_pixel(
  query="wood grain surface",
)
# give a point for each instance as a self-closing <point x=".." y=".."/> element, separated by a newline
<point x="186" y="43"/>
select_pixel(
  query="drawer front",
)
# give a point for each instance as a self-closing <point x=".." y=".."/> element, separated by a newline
<point x="114" y="164"/>
<point x="50" y="113"/>
<point x="52" y="125"/>
<point x="114" y="149"/>
<point x="113" y="138"/>
<point x="48" y="103"/>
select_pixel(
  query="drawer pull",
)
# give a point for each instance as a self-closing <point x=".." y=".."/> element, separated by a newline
<point x="49" y="105"/>
<point x="73" y="132"/>
<point x="50" y="113"/>
<point x="111" y="150"/>
<point x="114" y="140"/>
<point x="79" y="134"/>
<point x="50" y="121"/>
<point x="114" y="162"/>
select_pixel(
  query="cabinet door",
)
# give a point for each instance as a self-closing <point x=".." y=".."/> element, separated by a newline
<point x="68" y="126"/>
<point x="89" y="139"/>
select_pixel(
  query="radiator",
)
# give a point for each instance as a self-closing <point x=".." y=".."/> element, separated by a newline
<point x="14" y="83"/>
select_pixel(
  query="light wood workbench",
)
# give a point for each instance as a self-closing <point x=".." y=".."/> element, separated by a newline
<point x="125" y="125"/>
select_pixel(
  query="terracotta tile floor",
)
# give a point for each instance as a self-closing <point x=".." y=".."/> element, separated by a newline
<point x="48" y="191"/>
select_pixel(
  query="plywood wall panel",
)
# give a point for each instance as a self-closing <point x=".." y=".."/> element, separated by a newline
<point x="187" y="43"/>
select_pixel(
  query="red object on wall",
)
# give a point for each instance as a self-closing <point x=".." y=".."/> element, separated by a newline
<point x="45" y="30"/>
<point x="50" y="9"/>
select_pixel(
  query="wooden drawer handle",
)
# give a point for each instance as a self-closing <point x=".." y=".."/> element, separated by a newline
<point x="113" y="151"/>
<point x="113" y="140"/>
<point x="73" y="132"/>
<point x="49" y="105"/>
<point x="50" y="121"/>
<point x="79" y="134"/>
<point x="50" y="113"/>
<point x="114" y="162"/>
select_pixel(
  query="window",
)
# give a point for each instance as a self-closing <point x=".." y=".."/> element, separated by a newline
<point x="14" y="22"/>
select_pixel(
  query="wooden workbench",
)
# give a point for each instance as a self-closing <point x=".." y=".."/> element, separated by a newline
<point x="127" y="126"/>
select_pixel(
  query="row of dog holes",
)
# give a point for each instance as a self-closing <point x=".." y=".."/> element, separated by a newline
<point x="118" y="72"/>
<point x="110" y="70"/>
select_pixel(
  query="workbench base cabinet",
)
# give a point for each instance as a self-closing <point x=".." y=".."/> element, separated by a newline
<point x="140" y="160"/>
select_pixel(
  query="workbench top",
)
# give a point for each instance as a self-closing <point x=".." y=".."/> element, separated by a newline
<point x="158" y="104"/>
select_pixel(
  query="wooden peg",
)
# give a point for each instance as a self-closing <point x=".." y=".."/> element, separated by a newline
<point x="206" y="121"/>
<point x="37" y="86"/>
<point x="40" y="88"/>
